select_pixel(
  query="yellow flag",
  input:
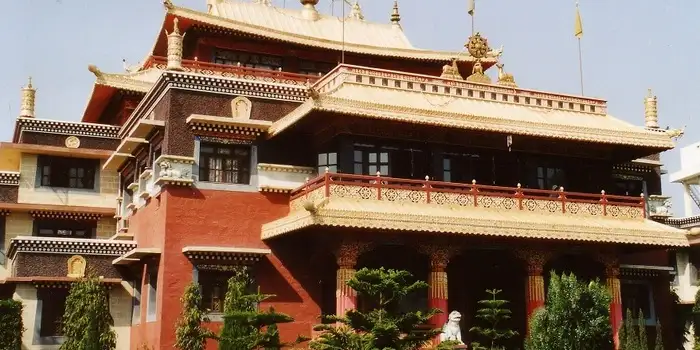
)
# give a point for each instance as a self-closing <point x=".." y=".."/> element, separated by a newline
<point x="471" y="8"/>
<point x="578" y="26"/>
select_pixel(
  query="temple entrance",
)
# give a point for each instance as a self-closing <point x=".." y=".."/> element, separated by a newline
<point x="472" y="273"/>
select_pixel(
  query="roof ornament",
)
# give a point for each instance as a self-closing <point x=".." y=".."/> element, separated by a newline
<point x="478" y="48"/>
<point x="27" y="102"/>
<point x="505" y="79"/>
<point x="356" y="11"/>
<point x="675" y="133"/>
<point x="651" y="116"/>
<point x="309" y="11"/>
<point x="94" y="70"/>
<point x="451" y="71"/>
<point x="175" y="40"/>
<point x="168" y="4"/>
<point x="395" y="16"/>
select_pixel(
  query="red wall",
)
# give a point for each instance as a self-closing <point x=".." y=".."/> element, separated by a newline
<point x="190" y="217"/>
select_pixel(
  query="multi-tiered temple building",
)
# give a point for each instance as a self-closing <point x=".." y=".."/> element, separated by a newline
<point x="308" y="146"/>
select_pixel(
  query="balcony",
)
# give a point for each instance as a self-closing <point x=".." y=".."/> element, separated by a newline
<point x="473" y="195"/>
<point x="229" y="71"/>
<point x="378" y="204"/>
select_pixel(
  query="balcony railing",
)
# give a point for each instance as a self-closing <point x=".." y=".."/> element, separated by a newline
<point x="230" y="71"/>
<point x="361" y="187"/>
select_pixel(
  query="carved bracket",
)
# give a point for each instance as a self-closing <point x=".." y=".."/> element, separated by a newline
<point x="535" y="259"/>
<point x="439" y="254"/>
<point x="348" y="252"/>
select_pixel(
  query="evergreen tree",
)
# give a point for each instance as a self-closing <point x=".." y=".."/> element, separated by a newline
<point x="87" y="321"/>
<point x="658" y="342"/>
<point x="576" y="316"/>
<point x="245" y="327"/>
<point x="190" y="334"/>
<point x="631" y="341"/>
<point x="622" y="336"/>
<point x="492" y="313"/>
<point x="11" y="326"/>
<point x="385" y="326"/>
<point x="643" y="341"/>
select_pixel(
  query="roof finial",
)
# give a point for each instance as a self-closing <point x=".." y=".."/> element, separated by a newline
<point x="505" y="79"/>
<point x="27" y="103"/>
<point x="651" y="116"/>
<point x="451" y="71"/>
<point x="356" y="11"/>
<point x="309" y="11"/>
<point x="395" y="16"/>
<point x="168" y="4"/>
<point x="175" y="40"/>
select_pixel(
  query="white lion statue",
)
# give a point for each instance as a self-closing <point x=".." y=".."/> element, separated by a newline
<point x="451" y="331"/>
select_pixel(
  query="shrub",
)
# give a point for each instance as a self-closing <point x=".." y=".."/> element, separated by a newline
<point x="190" y="334"/>
<point x="87" y="321"/>
<point x="11" y="327"/>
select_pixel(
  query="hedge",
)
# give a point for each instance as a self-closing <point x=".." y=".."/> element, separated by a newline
<point x="11" y="327"/>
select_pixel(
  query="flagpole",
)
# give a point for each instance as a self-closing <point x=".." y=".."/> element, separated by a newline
<point x="578" y="33"/>
<point x="580" y="65"/>
<point x="471" y="11"/>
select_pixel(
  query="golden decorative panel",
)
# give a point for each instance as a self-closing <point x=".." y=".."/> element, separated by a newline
<point x="76" y="266"/>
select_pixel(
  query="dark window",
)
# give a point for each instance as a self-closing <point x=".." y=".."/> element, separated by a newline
<point x="370" y="160"/>
<point x="53" y="305"/>
<point x="65" y="228"/>
<point x="327" y="160"/>
<point x="447" y="169"/>
<point x="638" y="296"/>
<point x="224" y="163"/>
<point x="628" y="187"/>
<point x="459" y="167"/>
<point x="152" y="307"/>
<point x="549" y="178"/>
<point x="214" y="287"/>
<point x="247" y="59"/>
<point x="67" y="172"/>
<point x="314" y="68"/>
<point x="136" y="303"/>
<point x="2" y="239"/>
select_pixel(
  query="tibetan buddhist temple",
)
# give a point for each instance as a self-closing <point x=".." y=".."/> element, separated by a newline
<point x="307" y="146"/>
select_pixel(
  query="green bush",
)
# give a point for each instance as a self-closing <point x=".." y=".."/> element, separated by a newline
<point x="87" y="322"/>
<point x="11" y="327"/>
<point x="575" y="317"/>
<point x="190" y="333"/>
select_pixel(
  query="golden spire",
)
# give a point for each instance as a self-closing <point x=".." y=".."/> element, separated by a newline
<point x="651" y="116"/>
<point x="356" y="11"/>
<point x="27" y="102"/>
<point x="395" y="16"/>
<point x="175" y="40"/>
<point x="310" y="12"/>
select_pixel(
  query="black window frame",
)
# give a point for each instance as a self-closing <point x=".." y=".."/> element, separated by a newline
<point x="369" y="160"/>
<point x="66" y="172"/>
<point x="329" y="160"/>
<point x="315" y="68"/>
<point x="546" y="181"/>
<point x="214" y="285"/>
<point x="51" y="324"/>
<point x="247" y="59"/>
<point x="647" y="306"/>
<point x="65" y="228"/>
<point x="240" y="175"/>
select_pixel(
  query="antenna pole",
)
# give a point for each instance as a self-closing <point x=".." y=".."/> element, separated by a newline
<point x="580" y="65"/>
<point x="342" y="53"/>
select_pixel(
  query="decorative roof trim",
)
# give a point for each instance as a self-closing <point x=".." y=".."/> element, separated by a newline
<point x="224" y="254"/>
<point x="247" y="127"/>
<point x="9" y="178"/>
<point x="65" y="128"/>
<point x="47" y="214"/>
<point x="56" y="282"/>
<point x="416" y="54"/>
<point x="51" y="245"/>
<point x="135" y="255"/>
<point x="284" y="168"/>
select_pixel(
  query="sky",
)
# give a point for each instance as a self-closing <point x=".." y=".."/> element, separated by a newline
<point x="628" y="46"/>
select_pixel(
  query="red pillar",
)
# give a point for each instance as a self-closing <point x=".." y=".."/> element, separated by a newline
<point x="346" y="255"/>
<point x="439" y="255"/>
<point x="535" y="260"/>
<point x="613" y="283"/>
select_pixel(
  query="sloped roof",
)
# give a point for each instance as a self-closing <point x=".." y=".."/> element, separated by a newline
<point x="412" y="98"/>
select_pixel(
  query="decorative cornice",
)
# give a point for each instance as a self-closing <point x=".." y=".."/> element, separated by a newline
<point x="51" y="245"/>
<point x="46" y="214"/>
<point x="211" y="255"/>
<point x="235" y="86"/>
<point x="9" y="178"/>
<point x="228" y="125"/>
<point x="684" y="223"/>
<point x="283" y="168"/>
<point x="67" y="128"/>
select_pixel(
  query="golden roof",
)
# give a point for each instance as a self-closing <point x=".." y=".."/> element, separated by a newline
<point x="325" y="32"/>
<point x="436" y="218"/>
<point x="412" y="98"/>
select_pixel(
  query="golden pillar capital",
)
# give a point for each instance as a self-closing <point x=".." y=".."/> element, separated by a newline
<point x="535" y="259"/>
<point x="348" y="252"/>
<point x="439" y="255"/>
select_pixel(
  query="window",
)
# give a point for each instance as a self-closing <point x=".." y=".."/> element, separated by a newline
<point x="628" y="187"/>
<point x="65" y="228"/>
<point x="2" y="240"/>
<point x="247" y="60"/>
<point x="214" y="287"/>
<point x="53" y="305"/>
<point x="152" y="307"/>
<point x="370" y="161"/>
<point x="224" y="163"/>
<point x="637" y="295"/>
<point x="549" y="178"/>
<point x="136" y="303"/>
<point x="67" y="172"/>
<point x="314" y="68"/>
<point x="447" y="169"/>
<point x="327" y="160"/>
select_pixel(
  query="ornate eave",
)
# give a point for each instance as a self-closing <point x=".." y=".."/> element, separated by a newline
<point x="9" y="178"/>
<point x="228" y="125"/>
<point x="63" y="128"/>
<point x="49" y="214"/>
<point x="59" y="210"/>
<point x="217" y="255"/>
<point x="136" y="255"/>
<point x="57" y="282"/>
<point x="51" y="245"/>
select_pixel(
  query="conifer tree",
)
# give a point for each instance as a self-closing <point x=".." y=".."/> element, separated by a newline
<point x="631" y="333"/>
<point x="190" y="334"/>
<point x="658" y="342"/>
<point x="11" y="326"/>
<point x="385" y="326"/>
<point x="245" y="327"/>
<point x="493" y="313"/>
<point x="642" y="322"/>
<point x="87" y="321"/>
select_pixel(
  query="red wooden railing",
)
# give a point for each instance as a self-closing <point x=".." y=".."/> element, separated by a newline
<point x="199" y="66"/>
<point x="432" y="188"/>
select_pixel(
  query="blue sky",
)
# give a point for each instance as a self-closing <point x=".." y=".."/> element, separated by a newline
<point x="628" y="46"/>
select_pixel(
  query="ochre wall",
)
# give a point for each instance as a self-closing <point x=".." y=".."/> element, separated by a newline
<point x="193" y="217"/>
